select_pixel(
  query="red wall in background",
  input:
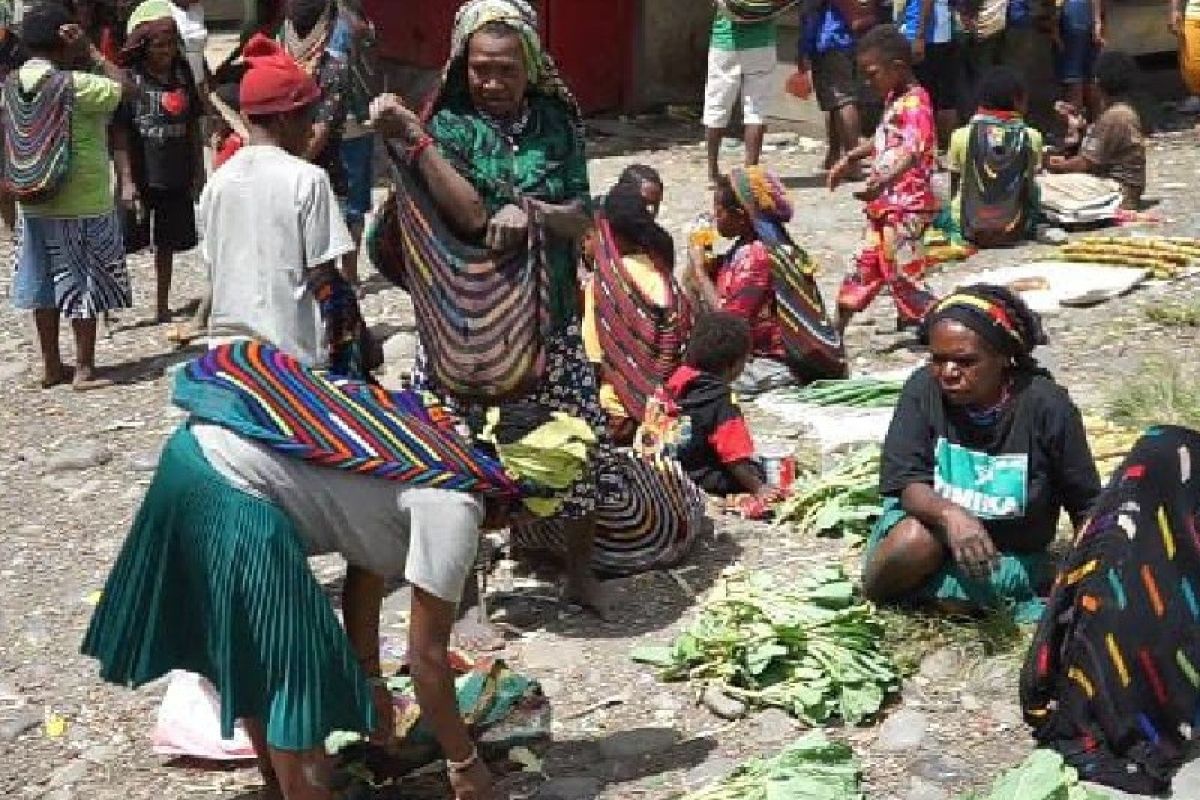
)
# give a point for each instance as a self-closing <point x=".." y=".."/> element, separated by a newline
<point x="592" y="41"/>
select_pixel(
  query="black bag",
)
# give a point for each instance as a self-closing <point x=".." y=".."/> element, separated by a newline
<point x="997" y="183"/>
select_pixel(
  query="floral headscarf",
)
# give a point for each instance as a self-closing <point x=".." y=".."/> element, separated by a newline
<point x="764" y="197"/>
<point x="474" y="15"/>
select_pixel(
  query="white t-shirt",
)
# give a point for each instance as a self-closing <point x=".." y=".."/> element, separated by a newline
<point x="267" y="217"/>
<point x="190" y="22"/>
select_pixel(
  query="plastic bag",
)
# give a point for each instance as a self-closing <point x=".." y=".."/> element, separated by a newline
<point x="189" y="723"/>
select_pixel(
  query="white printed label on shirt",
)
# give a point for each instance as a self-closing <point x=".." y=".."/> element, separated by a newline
<point x="990" y="487"/>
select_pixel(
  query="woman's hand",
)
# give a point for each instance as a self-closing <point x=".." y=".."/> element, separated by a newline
<point x="507" y="230"/>
<point x="1176" y="21"/>
<point x="394" y="120"/>
<point x="969" y="543"/>
<point x="474" y="783"/>
<point x="1098" y="33"/>
<point x="869" y="192"/>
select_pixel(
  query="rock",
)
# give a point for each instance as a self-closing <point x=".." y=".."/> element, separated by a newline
<point x="941" y="664"/>
<point x="25" y="719"/>
<point x="569" y="789"/>
<point x="923" y="790"/>
<point x="1007" y="713"/>
<point x="722" y="705"/>
<point x="100" y="754"/>
<point x="145" y="461"/>
<point x="548" y="656"/>
<point x="904" y="730"/>
<point x="637" y="743"/>
<point x="712" y="770"/>
<point x="11" y="370"/>
<point x="69" y="774"/>
<point x="1187" y="780"/>
<point x="84" y="455"/>
<point x="773" y="726"/>
<point x="940" y="768"/>
<point x="400" y="350"/>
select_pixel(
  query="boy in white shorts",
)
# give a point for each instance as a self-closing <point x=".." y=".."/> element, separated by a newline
<point x="741" y="58"/>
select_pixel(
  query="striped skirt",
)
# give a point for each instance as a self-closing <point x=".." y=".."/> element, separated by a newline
<point x="215" y="581"/>
<point x="73" y="264"/>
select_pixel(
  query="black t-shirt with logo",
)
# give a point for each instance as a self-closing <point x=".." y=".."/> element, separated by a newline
<point x="1015" y="475"/>
<point x="162" y="118"/>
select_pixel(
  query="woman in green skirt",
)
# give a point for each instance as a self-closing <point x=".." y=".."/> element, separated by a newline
<point x="983" y="454"/>
<point x="214" y="579"/>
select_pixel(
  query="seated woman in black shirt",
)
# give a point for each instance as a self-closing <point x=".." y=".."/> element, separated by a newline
<point x="984" y="452"/>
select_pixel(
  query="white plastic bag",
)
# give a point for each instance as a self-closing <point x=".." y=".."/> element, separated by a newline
<point x="189" y="723"/>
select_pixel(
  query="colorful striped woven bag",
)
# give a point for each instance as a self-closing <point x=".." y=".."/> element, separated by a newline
<point x="751" y="11"/>
<point x="815" y="350"/>
<point x="482" y="320"/>
<point x="649" y="514"/>
<point x="642" y="341"/>
<point x="37" y="135"/>
<point x="265" y="395"/>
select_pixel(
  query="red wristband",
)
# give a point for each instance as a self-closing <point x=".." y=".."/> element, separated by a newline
<point x="420" y="146"/>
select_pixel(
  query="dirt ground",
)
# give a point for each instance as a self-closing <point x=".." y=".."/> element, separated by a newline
<point x="74" y="467"/>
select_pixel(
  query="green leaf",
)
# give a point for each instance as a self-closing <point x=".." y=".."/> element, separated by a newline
<point x="654" y="655"/>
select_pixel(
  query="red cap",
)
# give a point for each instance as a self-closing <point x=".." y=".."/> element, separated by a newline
<point x="274" y="82"/>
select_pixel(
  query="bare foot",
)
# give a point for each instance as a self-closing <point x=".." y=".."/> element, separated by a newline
<point x="592" y="595"/>
<point x="184" y="334"/>
<point x="86" y="380"/>
<point x="56" y="376"/>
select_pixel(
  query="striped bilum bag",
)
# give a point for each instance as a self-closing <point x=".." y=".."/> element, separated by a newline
<point x="37" y="135"/>
<point x="814" y="348"/>
<point x="482" y="320"/>
<point x="642" y="341"/>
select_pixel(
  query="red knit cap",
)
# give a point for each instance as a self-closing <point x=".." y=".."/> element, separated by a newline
<point x="274" y="82"/>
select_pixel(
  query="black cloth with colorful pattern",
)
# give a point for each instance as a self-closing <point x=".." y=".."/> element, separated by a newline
<point x="1112" y="680"/>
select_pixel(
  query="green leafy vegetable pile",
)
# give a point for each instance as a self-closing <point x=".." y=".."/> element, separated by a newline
<point x="851" y="393"/>
<point x="813" y="768"/>
<point x="843" y="501"/>
<point x="812" y="649"/>
<point x="1042" y="776"/>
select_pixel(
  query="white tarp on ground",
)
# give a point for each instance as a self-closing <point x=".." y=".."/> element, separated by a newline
<point x="1047" y="286"/>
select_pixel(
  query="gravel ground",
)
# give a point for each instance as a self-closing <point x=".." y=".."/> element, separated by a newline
<point x="73" y="468"/>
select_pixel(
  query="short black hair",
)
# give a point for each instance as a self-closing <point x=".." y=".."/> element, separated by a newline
<point x="726" y="197"/>
<point x="627" y="215"/>
<point x="1116" y="73"/>
<point x="718" y="342"/>
<point x="1001" y="88"/>
<point x="888" y="42"/>
<point x="638" y="174"/>
<point x="305" y="14"/>
<point x="41" y="24"/>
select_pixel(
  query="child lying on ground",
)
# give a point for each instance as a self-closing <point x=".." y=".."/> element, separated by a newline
<point x="993" y="164"/>
<point x="1115" y="147"/>
<point x="710" y="436"/>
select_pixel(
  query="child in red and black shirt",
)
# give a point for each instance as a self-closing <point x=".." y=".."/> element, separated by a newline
<point x="712" y="440"/>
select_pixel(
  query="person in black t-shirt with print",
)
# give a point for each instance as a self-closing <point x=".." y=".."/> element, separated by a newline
<point x="984" y="452"/>
<point x="163" y="123"/>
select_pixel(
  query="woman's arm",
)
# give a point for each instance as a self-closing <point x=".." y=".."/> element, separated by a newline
<point x="1074" y="470"/>
<point x="961" y="532"/>
<point x="698" y="278"/>
<point x="566" y="220"/>
<point x="454" y="195"/>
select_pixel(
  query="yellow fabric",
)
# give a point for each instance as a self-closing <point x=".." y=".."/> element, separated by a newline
<point x="653" y="285"/>
<point x="553" y="456"/>
<point x="956" y="160"/>
<point x="1189" y="49"/>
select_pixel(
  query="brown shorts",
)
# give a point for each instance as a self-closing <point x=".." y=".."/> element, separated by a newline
<point x="835" y="79"/>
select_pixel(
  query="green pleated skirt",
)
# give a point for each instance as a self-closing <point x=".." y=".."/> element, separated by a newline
<point x="215" y="581"/>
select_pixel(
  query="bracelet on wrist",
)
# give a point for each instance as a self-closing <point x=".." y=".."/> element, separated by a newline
<point x="414" y="151"/>
<point x="459" y="767"/>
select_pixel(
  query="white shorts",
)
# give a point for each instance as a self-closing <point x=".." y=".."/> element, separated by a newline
<point x="731" y="72"/>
